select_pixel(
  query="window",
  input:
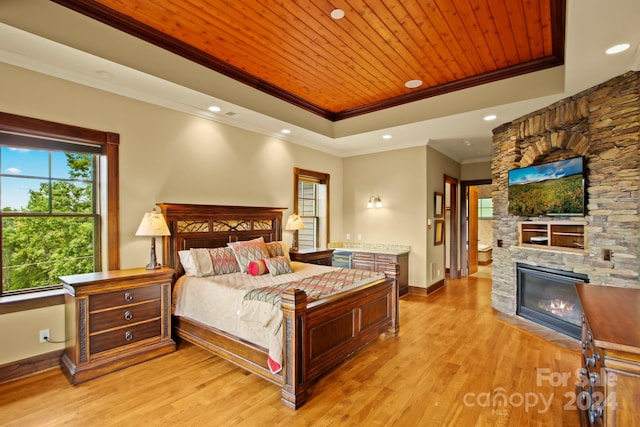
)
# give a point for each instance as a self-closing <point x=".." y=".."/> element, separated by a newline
<point x="485" y="208"/>
<point x="51" y="219"/>
<point x="311" y="197"/>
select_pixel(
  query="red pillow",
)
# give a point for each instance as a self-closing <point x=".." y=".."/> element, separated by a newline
<point x="256" y="268"/>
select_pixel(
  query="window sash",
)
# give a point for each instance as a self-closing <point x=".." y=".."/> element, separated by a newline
<point x="34" y="269"/>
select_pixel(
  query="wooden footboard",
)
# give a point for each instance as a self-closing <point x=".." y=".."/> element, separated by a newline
<point x="322" y="334"/>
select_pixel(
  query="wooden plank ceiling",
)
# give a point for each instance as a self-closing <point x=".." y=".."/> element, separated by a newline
<point x="354" y="65"/>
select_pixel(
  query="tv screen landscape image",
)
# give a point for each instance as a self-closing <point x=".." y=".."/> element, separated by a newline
<point x="555" y="188"/>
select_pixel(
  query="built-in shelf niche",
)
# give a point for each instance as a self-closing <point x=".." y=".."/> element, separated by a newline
<point x="564" y="235"/>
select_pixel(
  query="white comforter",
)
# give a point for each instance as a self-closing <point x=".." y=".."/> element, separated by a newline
<point x="217" y="301"/>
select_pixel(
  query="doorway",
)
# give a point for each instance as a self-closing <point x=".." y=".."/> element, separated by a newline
<point x="451" y="227"/>
<point x="476" y="228"/>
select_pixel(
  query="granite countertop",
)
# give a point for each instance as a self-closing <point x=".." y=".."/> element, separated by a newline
<point x="378" y="248"/>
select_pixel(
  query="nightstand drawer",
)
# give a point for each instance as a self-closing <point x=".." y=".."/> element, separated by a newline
<point x="123" y="297"/>
<point x="123" y="316"/>
<point x="124" y="336"/>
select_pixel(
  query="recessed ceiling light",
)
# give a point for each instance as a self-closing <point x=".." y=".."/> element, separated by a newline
<point x="490" y="117"/>
<point x="337" y="13"/>
<point x="467" y="143"/>
<point x="285" y="131"/>
<point x="387" y="136"/>
<point x="214" y="109"/>
<point x="617" y="48"/>
<point x="412" y="84"/>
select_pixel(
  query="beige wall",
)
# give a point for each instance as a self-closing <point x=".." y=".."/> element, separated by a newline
<point x="475" y="171"/>
<point x="399" y="178"/>
<point x="165" y="156"/>
<point x="438" y="165"/>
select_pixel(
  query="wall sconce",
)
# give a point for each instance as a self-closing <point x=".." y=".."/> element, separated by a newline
<point x="374" y="202"/>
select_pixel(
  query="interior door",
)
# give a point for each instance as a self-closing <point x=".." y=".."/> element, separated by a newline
<point x="472" y="240"/>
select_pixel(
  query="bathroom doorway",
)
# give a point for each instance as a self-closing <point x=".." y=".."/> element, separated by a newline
<point x="477" y="228"/>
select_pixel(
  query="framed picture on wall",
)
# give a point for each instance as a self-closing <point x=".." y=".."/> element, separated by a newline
<point x="438" y="232"/>
<point x="438" y="205"/>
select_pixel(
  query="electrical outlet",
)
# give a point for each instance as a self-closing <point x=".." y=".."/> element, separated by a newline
<point x="44" y="335"/>
<point x="348" y="236"/>
<point x="359" y="236"/>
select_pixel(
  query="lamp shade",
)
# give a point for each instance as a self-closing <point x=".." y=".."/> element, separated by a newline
<point x="294" y="222"/>
<point x="153" y="224"/>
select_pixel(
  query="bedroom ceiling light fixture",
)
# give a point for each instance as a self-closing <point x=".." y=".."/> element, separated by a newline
<point x="489" y="117"/>
<point x="374" y="202"/>
<point x="214" y="109"/>
<point x="285" y="131"/>
<point x="153" y="224"/>
<point x="294" y="223"/>
<point x="617" y="48"/>
<point x="386" y="136"/>
<point x="337" y="14"/>
<point x="412" y="84"/>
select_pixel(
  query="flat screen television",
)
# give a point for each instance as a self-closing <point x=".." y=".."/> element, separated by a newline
<point x="556" y="188"/>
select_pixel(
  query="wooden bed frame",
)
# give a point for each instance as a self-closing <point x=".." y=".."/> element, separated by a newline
<point x="317" y="335"/>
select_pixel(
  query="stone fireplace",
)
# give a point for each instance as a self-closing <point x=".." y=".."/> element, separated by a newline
<point x="603" y="125"/>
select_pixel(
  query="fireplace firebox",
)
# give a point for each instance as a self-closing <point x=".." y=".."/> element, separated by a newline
<point x="547" y="296"/>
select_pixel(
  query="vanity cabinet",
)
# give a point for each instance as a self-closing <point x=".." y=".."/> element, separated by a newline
<point x="376" y="261"/>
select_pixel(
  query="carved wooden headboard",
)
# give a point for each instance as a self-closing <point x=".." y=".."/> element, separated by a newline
<point x="213" y="226"/>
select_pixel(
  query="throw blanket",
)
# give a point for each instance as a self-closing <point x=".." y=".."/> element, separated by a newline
<point x="316" y="287"/>
<point x="262" y="305"/>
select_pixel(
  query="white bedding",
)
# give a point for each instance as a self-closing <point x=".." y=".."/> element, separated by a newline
<point x="217" y="301"/>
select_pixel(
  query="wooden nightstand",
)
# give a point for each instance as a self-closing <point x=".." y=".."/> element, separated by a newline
<point x="312" y="256"/>
<point x="115" y="319"/>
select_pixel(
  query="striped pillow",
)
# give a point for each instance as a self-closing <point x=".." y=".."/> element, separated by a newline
<point x="278" y="265"/>
<point x="249" y="250"/>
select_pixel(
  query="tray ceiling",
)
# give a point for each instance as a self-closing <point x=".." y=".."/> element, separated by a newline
<point x="355" y="65"/>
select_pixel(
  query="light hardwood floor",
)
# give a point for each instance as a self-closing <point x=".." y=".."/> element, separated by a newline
<point x="455" y="363"/>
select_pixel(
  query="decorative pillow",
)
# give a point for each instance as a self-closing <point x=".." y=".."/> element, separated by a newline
<point x="249" y="250"/>
<point x="278" y="249"/>
<point x="278" y="265"/>
<point x="187" y="263"/>
<point x="223" y="261"/>
<point x="257" y="268"/>
<point x="202" y="262"/>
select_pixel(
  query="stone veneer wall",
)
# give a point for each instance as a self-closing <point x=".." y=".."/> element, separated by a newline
<point x="602" y="124"/>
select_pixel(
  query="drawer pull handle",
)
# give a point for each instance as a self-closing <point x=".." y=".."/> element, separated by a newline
<point x="128" y="336"/>
<point x="591" y="361"/>
<point x="128" y="296"/>
<point x="128" y="315"/>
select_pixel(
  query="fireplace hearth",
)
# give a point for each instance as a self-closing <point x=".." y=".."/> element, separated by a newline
<point x="547" y="296"/>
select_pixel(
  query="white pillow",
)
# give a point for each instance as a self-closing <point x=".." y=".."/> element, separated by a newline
<point x="187" y="263"/>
